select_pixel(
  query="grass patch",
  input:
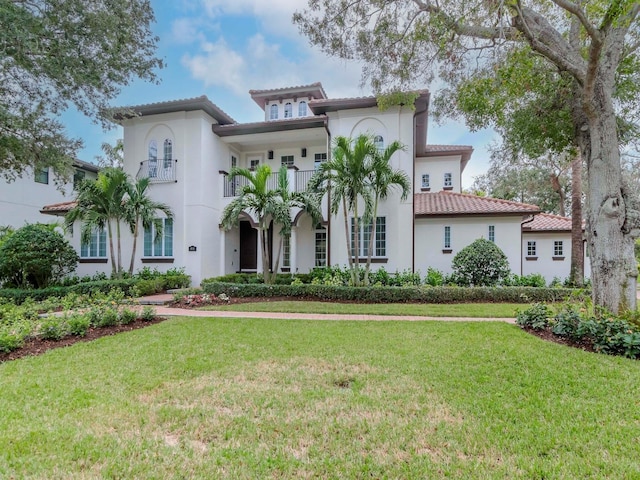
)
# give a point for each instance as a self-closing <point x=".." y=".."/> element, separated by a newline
<point x="227" y="398"/>
<point x="475" y="310"/>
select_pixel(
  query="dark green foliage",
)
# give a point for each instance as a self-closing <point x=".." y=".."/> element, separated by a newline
<point x="395" y="294"/>
<point x="53" y="328"/>
<point x="532" y="280"/>
<point x="480" y="264"/>
<point x="126" y="316"/>
<point x="35" y="256"/>
<point x="148" y="313"/>
<point x="434" y="277"/>
<point x="567" y="324"/>
<point x="10" y="341"/>
<point x="78" y="325"/>
<point x="536" y="317"/>
<point x="149" y="287"/>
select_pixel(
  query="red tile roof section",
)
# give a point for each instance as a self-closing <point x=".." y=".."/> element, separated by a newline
<point x="449" y="203"/>
<point x="433" y="148"/>
<point x="58" y="208"/>
<point x="546" y="222"/>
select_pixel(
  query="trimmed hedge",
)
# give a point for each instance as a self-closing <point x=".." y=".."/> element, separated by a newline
<point x="19" y="295"/>
<point x="398" y="294"/>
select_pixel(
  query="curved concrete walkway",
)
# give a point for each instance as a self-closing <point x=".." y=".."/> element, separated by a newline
<point x="158" y="302"/>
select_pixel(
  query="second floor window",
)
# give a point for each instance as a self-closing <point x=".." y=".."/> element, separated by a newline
<point x="302" y="109"/>
<point x="78" y="176"/>
<point x="273" y="112"/>
<point x="318" y="160"/>
<point x="42" y="175"/>
<point x="425" y="181"/>
<point x="448" y="180"/>
<point x="288" y="110"/>
<point x="253" y="163"/>
<point x="378" y="141"/>
<point x="153" y="159"/>
<point x="168" y="154"/>
<point x="286" y="160"/>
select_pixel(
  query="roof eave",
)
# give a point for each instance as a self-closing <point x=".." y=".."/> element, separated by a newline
<point x="269" y="126"/>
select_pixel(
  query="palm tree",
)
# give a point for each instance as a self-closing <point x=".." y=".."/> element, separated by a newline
<point x="98" y="204"/>
<point x="346" y="176"/>
<point x="382" y="180"/>
<point x="141" y="209"/>
<point x="258" y="199"/>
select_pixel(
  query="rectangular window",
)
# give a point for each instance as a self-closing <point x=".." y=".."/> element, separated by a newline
<point x="558" y="248"/>
<point x="448" y="180"/>
<point x="161" y="245"/>
<point x="286" y="252"/>
<point x="364" y="237"/>
<point x="531" y="249"/>
<point x="253" y="163"/>
<point x="286" y="160"/>
<point x="492" y="233"/>
<point x="321" y="247"/>
<point x="318" y="160"/>
<point x="97" y="245"/>
<point x="447" y="238"/>
<point x="78" y="176"/>
<point x="234" y="161"/>
<point x="425" y="181"/>
<point x="42" y="176"/>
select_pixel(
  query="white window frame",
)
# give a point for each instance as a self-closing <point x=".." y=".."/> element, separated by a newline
<point x="302" y="109"/>
<point x="378" y="141"/>
<point x="97" y="245"/>
<point x="446" y="240"/>
<point x="448" y="180"/>
<point x="167" y="162"/>
<point x="286" y="252"/>
<point x="364" y="234"/>
<point x="532" y="248"/>
<point x="492" y="233"/>
<point x="253" y="163"/>
<point x="163" y="247"/>
<point x="288" y="110"/>
<point x="153" y="159"/>
<point x="320" y="256"/>
<point x="273" y="111"/>
<point x="319" y="159"/>
<point x="558" y="248"/>
<point x="426" y="183"/>
<point x="287" y="160"/>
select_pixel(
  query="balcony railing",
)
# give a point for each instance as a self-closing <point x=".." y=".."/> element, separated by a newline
<point x="297" y="182"/>
<point x="159" y="171"/>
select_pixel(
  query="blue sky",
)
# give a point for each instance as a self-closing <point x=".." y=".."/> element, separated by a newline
<point x="224" y="48"/>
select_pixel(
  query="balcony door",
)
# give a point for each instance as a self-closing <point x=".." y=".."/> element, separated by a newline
<point x="248" y="247"/>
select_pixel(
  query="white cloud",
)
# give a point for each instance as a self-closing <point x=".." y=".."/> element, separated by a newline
<point x="217" y="65"/>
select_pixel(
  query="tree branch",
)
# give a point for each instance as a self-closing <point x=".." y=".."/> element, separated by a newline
<point x="575" y="10"/>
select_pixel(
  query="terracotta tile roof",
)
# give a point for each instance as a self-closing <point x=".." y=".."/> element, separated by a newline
<point x="316" y="85"/>
<point x="546" y="222"/>
<point x="58" y="208"/>
<point x="449" y="203"/>
<point x="183" y="104"/>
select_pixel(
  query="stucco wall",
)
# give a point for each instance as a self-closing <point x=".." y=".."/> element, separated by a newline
<point x="544" y="262"/>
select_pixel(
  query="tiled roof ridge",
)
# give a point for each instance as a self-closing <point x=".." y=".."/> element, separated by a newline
<point x="283" y="89"/>
<point x="201" y="98"/>
<point x="492" y="199"/>
<point x="442" y="146"/>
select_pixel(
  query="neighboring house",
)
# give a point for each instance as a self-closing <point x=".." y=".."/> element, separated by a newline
<point x="187" y="147"/>
<point x="21" y="200"/>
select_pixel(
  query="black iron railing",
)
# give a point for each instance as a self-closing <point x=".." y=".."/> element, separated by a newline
<point x="159" y="171"/>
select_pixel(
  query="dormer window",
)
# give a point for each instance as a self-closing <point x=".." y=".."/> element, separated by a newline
<point x="302" y="109"/>
<point x="448" y="181"/>
<point x="288" y="110"/>
<point x="273" y="112"/>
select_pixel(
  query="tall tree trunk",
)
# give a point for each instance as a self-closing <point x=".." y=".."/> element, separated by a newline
<point x="356" y="245"/>
<point x="265" y="254"/>
<point x="135" y="244"/>
<point x="111" y="251"/>
<point x="372" y="240"/>
<point x="577" y="244"/>
<point x="348" y="238"/>
<point x="119" y="248"/>
<point x="611" y="228"/>
<point x="557" y="187"/>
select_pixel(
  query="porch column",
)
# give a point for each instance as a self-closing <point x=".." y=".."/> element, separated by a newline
<point x="223" y="252"/>
<point x="259" y="255"/>
<point x="293" y="250"/>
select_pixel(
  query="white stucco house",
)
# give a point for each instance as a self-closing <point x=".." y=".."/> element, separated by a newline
<point x="187" y="147"/>
<point x="22" y="199"/>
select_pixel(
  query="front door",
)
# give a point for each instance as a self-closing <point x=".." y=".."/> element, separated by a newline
<point x="248" y="247"/>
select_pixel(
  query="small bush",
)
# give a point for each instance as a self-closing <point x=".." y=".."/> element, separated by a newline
<point x="53" y="328"/>
<point x="532" y="280"/>
<point x="434" y="277"/>
<point x="78" y="324"/>
<point x="10" y="341"/>
<point x="536" y="317"/>
<point x="126" y="316"/>
<point x="150" y="287"/>
<point x="566" y="324"/>
<point x="148" y="313"/>
<point x="481" y="263"/>
<point x="108" y="317"/>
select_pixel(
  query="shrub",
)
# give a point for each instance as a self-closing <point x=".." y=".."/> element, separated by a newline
<point x="149" y="287"/>
<point x="10" y="341"/>
<point x="535" y="317"/>
<point x="567" y="324"/>
<point x="106" y="317"/>
<point x="434" y="277"/>
<point x="53" y="328"/>
<point x="148" y="313"/>
<point x="34" y="256"/>
<point x="78" y="324"/>
<point x="480" y="264"/>
<point x="126" y="316"/>
<point x="532" y="280"/>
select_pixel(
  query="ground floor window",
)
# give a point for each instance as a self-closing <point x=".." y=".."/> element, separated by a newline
<point x="531" y="249"/>
<point x="321" y="247"/>
<point x="159" y="245"/>
<point x="558" y="248"/>
<point x="286" y="252"/>
<point x="364" y="237"/>
<point x="96" y="247"/>
<point x="447" y="237"/>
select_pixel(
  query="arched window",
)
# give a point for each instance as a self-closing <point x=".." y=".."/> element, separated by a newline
<point x="168" y="154"/>
<point x="288" y="110"/>
<point x="153" y="159"/>
<point x="273" y="112"/>
<point x="302" y="109"/>
<point x="378" y="141"/>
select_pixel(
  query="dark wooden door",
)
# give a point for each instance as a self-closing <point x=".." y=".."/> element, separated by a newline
<point x="248" y="247"/>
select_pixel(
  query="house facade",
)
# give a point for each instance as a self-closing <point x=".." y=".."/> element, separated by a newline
<point x="188" y="147"/>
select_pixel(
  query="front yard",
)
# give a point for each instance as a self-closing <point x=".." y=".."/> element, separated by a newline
<point x="214" y="398"/>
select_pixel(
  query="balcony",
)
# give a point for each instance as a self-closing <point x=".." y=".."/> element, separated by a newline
<point x="298" y="180"/>
<point x="159" y="171"/>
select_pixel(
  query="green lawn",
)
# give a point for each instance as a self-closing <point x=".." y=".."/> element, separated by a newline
<point x="476" y="310"/>
<point x="246" y="398"/>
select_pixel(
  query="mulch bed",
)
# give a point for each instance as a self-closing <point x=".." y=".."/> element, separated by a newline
<point x="38" y="346"/>
<point x="549" y="336"/>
